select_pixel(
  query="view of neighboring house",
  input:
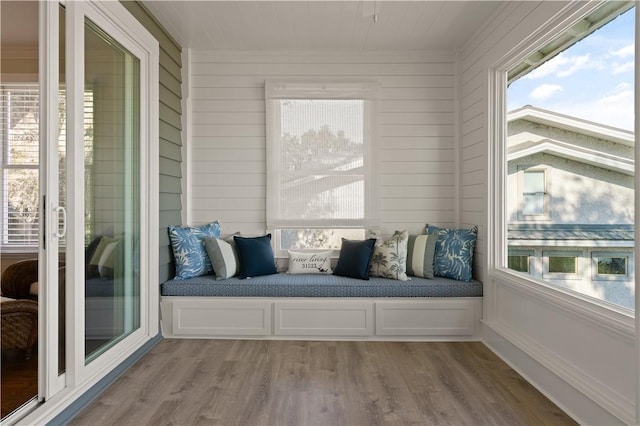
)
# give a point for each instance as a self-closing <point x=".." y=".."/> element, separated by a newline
<point x="570" y="204"/>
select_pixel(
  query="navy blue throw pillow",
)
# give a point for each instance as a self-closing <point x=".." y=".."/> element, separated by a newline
<point x="255" y="255"/>
<point x="354" y="258"/>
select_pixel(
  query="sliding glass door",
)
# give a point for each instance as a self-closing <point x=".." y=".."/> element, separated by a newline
<point x="95" y="79"/>
<point x="111" y="189"/>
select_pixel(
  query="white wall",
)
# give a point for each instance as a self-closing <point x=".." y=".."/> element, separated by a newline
<point x="578" y="354"/>
<point x="416" y="133"/>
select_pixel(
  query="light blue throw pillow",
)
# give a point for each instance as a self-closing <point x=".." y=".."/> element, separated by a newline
<point x="189" y="251"/>
<point x="453" y="256"/>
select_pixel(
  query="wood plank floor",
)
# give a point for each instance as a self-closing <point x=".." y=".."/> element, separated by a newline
<point x="19" y="380"/>
<point x="236" y="382"/>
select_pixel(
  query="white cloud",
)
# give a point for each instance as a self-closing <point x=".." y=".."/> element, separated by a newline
<point x="545" y="91"/>
<point x="614" y="109"/>
<point x="624" y="52"/>
<point x="562" y="66"/>
<point x="548" y="68"/>
<point x="576" y="63"/>
<point x="621" y="68"/>
<point x="620" y="87"/>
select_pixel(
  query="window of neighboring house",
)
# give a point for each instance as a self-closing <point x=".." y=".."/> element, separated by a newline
<point x="570" y="115"/>
<point x="534" y="194"/>
<point x="319" y="162"/>
<point x="560" y="265"/>
<point x="518" y="261"/>
<point x="610" y="266"/>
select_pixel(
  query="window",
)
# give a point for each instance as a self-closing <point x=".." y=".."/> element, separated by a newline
<point x="19" y="133"/>
<point x="611" y="266"/>
<point x="533" y="193"/>
<point x="561" y="265"/>
<point x="519" y="263"/>
<point x="19" y="136"/>
<point x="566" y="158"/>
<point x="319" y="161"/>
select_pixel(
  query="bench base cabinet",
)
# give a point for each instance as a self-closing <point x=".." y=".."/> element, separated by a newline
<point x="319" y="318"/>
<point x="441" y="319"/>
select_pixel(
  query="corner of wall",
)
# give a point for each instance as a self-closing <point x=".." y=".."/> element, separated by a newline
<point x="457" y="134"/>
<point x="186" y="136"/>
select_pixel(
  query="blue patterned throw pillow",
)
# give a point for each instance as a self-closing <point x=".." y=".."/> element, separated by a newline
<point x="454" y="252"/>
<point x="189" y="251"/>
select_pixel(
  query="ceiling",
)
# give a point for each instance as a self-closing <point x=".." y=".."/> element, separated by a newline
<point x="322" y="25"/>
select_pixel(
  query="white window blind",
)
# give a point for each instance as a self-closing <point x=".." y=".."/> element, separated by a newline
<point x="319" y="155"/>
<point x="20" y="156"/>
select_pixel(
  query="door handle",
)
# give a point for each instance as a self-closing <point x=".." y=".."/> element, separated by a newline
<point x="61" y="233"/>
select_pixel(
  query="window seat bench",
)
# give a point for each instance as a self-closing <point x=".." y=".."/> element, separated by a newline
<point x="285" y="306"/>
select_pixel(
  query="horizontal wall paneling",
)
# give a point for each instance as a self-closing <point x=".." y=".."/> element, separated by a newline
<point x="416" y="132"/>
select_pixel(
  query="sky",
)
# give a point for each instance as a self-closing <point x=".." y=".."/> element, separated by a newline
<point x="593" y="79"/>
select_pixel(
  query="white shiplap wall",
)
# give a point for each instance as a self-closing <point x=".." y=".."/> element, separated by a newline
<point x="578" y="354"/>
<point x="416" y="133"/>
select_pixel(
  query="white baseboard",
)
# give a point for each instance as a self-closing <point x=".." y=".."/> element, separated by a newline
<point x="572" y="401"/>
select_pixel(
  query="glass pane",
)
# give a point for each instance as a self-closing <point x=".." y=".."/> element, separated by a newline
<point x="19" y="202"/>
<point x="112" y="191"/>
<point x="519" y="263"/>
<point x="20" y="135"/>
<point x="533" y="181"/>
<point x="22" y="207"/>
<point x="329" y="239"/>
<point x="562" y="264"/>
<point x="21" y="104"/>
<point x="62" y="189"/>
<point x="566" y="201"/>
<point x="612" y="266"/>
<point x="533" y="204"/>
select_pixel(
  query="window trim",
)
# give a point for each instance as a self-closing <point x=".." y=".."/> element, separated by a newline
<point x="338" y="89"/>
